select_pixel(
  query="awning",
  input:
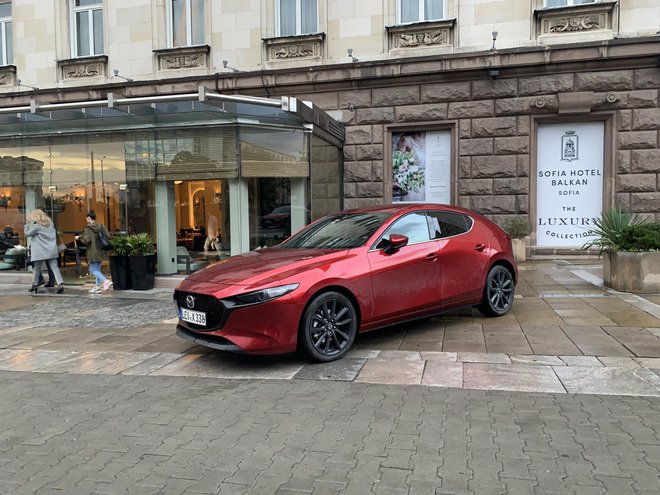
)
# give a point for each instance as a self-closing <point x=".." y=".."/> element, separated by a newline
<point x="117" y="114"/>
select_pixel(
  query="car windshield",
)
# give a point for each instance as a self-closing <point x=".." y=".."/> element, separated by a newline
<point x="338" y="231"/>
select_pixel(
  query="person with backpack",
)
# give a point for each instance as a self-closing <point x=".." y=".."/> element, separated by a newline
<point x="96" y="237"/>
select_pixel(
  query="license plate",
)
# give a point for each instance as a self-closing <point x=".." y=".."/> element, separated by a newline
<point x="196" y="317"/>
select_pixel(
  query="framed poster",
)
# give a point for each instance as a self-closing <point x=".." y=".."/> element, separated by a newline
<point x="569" y="182"/>
<point x="421" y="166"/>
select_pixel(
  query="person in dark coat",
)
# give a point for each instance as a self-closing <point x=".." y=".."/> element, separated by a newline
<point x="43" y="247"/>
<point x="95" y="254"/>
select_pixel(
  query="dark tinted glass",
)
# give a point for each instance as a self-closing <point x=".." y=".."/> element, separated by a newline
<point x="338" y="232"/>
<point x="446" y="224"/>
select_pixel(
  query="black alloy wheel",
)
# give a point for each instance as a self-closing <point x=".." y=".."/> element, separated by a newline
<point x="498" y="292"/>
<point x="328" y="327"/>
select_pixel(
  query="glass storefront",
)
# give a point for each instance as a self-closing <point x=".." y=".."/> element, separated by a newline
<point x="203" y="193"/>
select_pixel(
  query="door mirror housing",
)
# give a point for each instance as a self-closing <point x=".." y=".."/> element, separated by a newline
<point x="395" y="242"/>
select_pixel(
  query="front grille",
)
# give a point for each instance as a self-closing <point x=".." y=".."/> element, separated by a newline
<point x="214" y="309"/>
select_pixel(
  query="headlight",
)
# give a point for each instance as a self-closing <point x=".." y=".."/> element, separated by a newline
<point x="260" y="296"/>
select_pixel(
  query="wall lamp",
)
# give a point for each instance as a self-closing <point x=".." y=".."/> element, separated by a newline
<point x="226" y="66"/>
<point x="350" y="54"/>
<point x="493" y="73"/>
<point x="116" y="74"/>
<point x="18" y="83"/>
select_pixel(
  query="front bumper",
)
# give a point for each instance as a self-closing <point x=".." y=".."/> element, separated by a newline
<point x="207" y="340"/>
<point x="267" y="328"/>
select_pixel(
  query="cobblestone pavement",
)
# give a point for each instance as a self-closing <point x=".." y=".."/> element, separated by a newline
<point x="79" y="434"/>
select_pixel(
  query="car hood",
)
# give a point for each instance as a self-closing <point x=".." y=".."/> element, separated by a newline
<point x="264" y="266"/>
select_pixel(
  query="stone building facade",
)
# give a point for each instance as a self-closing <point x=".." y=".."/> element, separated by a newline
<point x="494" y="121"/>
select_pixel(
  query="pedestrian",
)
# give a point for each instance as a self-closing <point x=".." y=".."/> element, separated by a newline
<point x="95" y="255"/>
<point x="43" y="247"/>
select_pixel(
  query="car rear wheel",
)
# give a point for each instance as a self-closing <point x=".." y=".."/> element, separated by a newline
<point x="498" y="292"/>
<point x="329" y="327"/>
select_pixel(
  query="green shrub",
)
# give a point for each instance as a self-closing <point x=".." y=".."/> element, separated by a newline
<point x="644" y="237"/>
<point x="140" y="244"/>
<point x="609" y="227"/>
<point x="517" y="228"/>
<point x="119" y="245"/>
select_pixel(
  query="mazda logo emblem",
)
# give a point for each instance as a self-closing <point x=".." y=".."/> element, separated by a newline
<point x="190" y="302"/>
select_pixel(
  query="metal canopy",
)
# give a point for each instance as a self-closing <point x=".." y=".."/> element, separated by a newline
<point x="117" y="114"/>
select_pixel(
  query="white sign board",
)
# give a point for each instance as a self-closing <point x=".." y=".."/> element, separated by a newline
<point x="421" y="167"/>
<point x="569" y="182"/>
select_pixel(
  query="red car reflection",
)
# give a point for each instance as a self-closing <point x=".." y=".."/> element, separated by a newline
<point x="349" y="272"/>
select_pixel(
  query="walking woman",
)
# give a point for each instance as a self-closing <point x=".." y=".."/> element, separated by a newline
<point x="43" y="247"/>
<point x="95" y="255"/>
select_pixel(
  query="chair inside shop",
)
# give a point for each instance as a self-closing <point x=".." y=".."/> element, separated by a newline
<point x="186" y="263"/>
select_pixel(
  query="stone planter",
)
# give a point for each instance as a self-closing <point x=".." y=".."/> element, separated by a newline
<point x="632" y="272"/>
<point x="519" y="249"/>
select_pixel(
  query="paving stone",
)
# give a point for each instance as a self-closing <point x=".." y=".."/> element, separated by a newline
<point x="479" y="357"/>
<point x="619" y="362"/>
<point x="516" y="377"/>
<point x="538" y="360"/>
<point x="606" y="380"/>
<point x="399" y="371"/>
<point x="448" y="357"/>
<point x="345" y="370"/>
<point x="442" y="374"/>
<point x="581" y="361"/>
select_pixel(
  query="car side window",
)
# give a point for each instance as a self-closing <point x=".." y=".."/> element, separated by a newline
<point x="413" y="225"/>
<point x="447" y="224"/>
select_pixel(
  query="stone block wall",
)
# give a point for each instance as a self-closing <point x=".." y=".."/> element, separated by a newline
<point x="493" y="124"/>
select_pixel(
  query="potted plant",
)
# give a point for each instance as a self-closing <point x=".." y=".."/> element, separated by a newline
<point x="518" y="230"/>
<point x="630" y="249"/>
<point x="142" y="261"/>
<point x="119" y="263"/>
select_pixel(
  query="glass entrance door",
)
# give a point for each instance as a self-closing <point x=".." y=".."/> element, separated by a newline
<point x="202" y="223"/>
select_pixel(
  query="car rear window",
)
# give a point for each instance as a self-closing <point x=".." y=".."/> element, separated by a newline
<point x="446" y="224"/>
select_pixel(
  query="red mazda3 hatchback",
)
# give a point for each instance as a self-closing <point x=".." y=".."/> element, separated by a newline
<point x="349" y="272"/>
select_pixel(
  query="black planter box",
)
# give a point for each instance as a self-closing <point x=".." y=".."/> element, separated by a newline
<point x="143" y="271"/>
<point x="120" y="272"/>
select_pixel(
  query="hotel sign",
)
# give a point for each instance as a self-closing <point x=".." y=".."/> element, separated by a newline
<point x="569" y="183"/>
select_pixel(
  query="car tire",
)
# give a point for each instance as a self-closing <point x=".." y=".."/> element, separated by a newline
<point x="328" y="327"/>
<point x="498" y="293"/>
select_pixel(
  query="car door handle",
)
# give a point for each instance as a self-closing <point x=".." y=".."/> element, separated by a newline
<point x="480" y="247"/>
<point x="432" y="256"/>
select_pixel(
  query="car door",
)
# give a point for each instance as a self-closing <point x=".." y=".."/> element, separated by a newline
<point x="464" y="255"/>
<point x="406" y="280"/>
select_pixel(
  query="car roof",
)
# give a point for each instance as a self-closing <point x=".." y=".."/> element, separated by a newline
<point x="404" y="207"/>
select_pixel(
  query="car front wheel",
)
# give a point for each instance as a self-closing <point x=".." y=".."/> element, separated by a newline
<point x="329" y="327"/>
<point x="498" y="292"/>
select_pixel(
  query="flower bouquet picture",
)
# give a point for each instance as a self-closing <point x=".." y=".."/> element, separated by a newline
<point x="407" y="173"/>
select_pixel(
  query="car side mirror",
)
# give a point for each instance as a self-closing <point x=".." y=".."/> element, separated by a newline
<point x="396" y="241"/>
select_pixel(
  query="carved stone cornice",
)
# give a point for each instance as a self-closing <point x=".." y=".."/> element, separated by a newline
<point x="575" y="18"/>
<point x="82" y="67"/>
<point x="8" y="75"/>
<point x="305" y="47"/>
<point x="183" y="57"/>
<point x="421" y="34"/>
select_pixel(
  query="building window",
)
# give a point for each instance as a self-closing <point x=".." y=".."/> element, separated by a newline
<point x="6" y="44"/>
<point x="186" y="22"/>
<point x="87" y="32"/>
<point x="420" y="10"/>
<point x="564" y="3"/>
<point x="297" y="17"/>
